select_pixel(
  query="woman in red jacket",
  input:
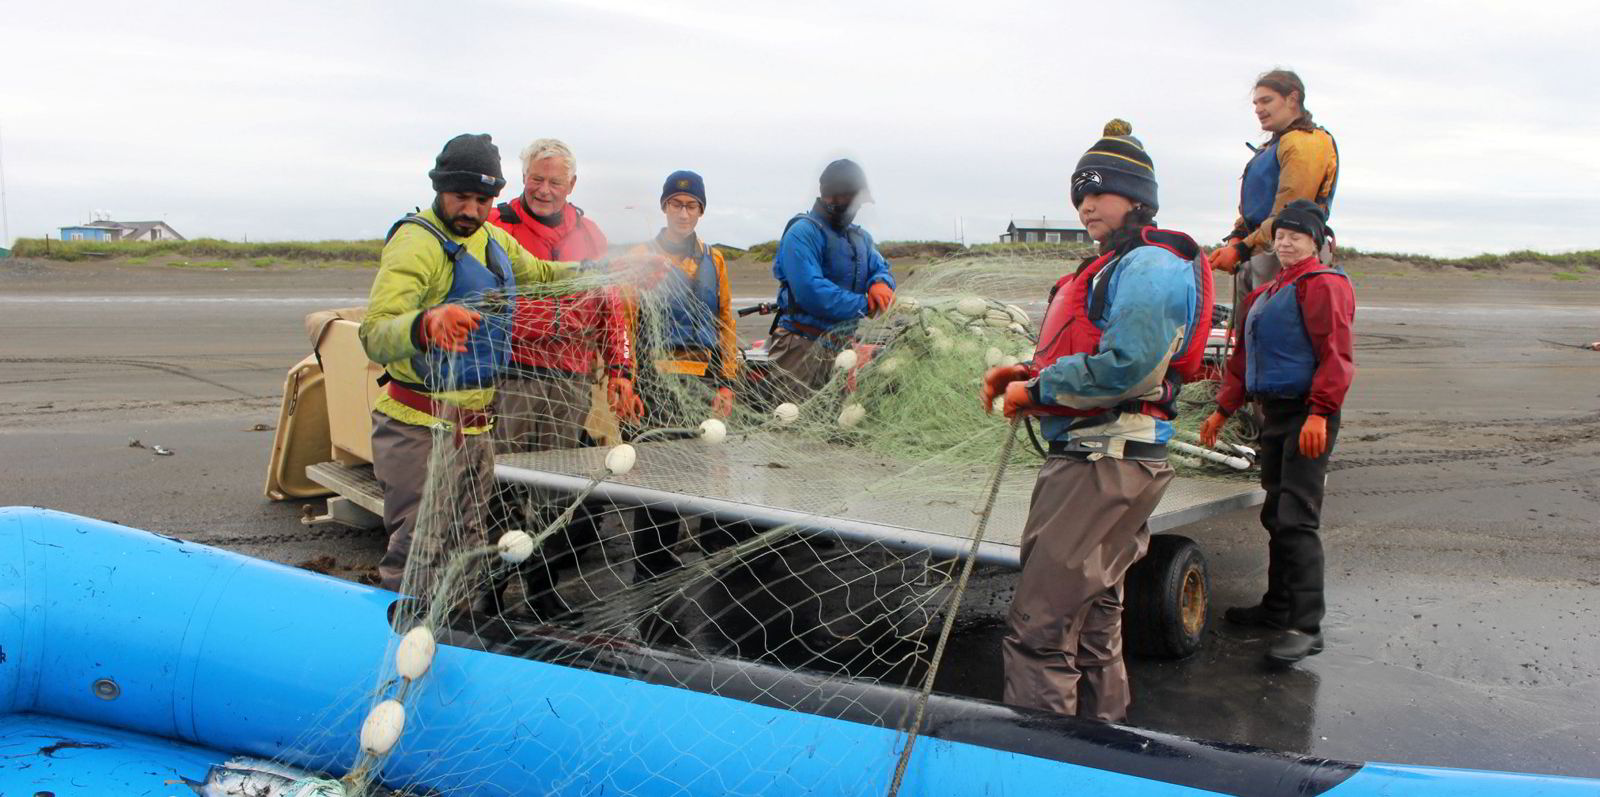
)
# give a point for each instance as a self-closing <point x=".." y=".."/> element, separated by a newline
<point x="1293" y="355"/>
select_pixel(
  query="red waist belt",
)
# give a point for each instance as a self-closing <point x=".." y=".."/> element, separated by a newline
<point x="422" y="402"/>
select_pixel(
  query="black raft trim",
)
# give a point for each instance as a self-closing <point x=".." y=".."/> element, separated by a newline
<point x="1236" y="769"/>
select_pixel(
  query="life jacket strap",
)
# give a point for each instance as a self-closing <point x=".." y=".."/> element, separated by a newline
<point x="1118" y="447"/>
<point x="422" y="402"/>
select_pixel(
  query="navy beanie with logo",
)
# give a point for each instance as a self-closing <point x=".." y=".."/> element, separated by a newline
<point x="1116" y="164"/>
<point x="684" y="181"/>
<point x="468" y="164"/>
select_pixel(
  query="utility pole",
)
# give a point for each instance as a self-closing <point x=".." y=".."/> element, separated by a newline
<point x="5" y="213"/>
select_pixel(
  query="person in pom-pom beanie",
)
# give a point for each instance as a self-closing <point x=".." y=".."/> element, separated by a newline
<point x="1295" y="355"/>
<point x="1119" y="336"/>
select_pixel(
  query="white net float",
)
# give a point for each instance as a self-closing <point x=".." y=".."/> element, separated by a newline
<point x="620" y="459"/>
<point x="414" y="655"/>
<point x="713" y="431"/>
<point x="382" y="727"/>
<point x="515" y="547"/>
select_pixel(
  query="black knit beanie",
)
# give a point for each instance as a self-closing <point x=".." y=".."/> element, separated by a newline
<point x="1116" y="164"/>
<point x="468" y="164"/>
<point x="1303" y="215"/>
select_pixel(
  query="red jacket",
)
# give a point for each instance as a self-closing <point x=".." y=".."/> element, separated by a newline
<point x="1328" y="310"/>
<point x="564" y="333"/>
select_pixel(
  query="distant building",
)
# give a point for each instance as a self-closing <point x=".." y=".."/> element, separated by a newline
<point x="108" y="230"/>
<point x="1044" y="231"/>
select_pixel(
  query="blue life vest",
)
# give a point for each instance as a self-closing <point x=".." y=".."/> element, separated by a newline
<point x="1260" y="185"/>
<point x="1279" y="359"/>
<point x="846" y="262"/>
<point x="1259" y="188"/>
<point x="486" y="289"/>
<point x="693" y="305"/>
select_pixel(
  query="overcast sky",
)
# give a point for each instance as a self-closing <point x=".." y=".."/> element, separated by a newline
<point x="1463" y="126"/>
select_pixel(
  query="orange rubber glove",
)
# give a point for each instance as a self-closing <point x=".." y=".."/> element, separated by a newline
<point x="447" y="326"/>
<point x="879" y="297"/>
<point x="1225" y="258"/>
<point x="995" y="381"/>
<point x="722" y="405"/>
<point x="1314" y="437"/>
<point x="1211" y="428"/>
<point x="1017" y="400"/>
<point x="625" y="403"/>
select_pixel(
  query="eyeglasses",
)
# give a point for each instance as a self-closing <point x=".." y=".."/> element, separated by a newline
<point x="683" y="207"/>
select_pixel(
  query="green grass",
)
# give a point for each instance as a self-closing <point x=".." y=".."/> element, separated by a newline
<point x="766" y="251"/>
<point x="138" y="261"/>
<point x="1566" y="276"/>
<point x="1589" y="259"/>
<point x="205" y="249"/>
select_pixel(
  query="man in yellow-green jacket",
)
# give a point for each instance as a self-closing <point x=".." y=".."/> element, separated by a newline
<point x="438" y="320"/>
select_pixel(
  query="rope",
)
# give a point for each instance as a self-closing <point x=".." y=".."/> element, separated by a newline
<point x="955" y="607"/>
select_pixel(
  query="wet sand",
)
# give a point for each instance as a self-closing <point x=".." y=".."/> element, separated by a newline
<point x="1462" y="520"/>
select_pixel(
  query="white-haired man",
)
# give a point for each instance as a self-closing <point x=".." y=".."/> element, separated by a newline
<point x="557" y="343"/>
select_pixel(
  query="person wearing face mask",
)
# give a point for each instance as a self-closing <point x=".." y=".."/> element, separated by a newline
<point x="830" y="276"/>
<point x="1294" y="356"/>
<point x="1120" y="335"/>
<point x="1299" y="161"/>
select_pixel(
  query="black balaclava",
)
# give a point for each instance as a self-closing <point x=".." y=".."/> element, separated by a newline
<point x="842" y="177"/>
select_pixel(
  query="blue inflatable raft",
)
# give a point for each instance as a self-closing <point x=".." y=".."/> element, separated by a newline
<point x="137" y="664"/>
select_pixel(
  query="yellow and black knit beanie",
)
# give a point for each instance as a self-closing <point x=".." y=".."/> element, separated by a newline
<point x="1116" y="164"/>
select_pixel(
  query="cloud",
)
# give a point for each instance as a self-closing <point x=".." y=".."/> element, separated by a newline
<point x="1462" y="126"/>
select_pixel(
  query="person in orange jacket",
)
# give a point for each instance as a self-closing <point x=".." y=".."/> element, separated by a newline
<point x="1299" y="161"/>
<point x="695" y="334"/>
<point x="685" y="326"/>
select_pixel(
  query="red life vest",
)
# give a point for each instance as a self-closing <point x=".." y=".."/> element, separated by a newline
<point x="1077" y="303"/>
<point x="575" y="238"/>
<point x="558" y="332"/>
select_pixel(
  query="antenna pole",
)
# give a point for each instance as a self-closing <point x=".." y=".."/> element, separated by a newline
<point x="5" y="214"/>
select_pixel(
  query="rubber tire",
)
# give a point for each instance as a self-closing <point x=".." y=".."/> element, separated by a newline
<point x="1156" y="598"/>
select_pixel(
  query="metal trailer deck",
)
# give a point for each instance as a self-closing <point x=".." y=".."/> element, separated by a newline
<point x="840" y="492"/>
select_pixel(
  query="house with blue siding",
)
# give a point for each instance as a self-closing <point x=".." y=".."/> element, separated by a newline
<point x="108" y="230"/>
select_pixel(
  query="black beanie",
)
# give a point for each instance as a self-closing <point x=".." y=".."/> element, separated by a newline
<point x="1303" y="215"/>
<point x="1116" y="164"/>
<point x="468" y="164"/>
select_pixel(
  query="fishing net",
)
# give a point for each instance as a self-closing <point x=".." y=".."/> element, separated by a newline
<point x="802" y="553"/>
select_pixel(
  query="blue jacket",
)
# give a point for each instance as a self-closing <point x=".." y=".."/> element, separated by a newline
<point x="1152" y="306"/>
<point x="823" y="275"/>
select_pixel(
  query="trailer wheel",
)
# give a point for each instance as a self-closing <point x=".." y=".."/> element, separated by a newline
<point x="1166" y="597"/>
